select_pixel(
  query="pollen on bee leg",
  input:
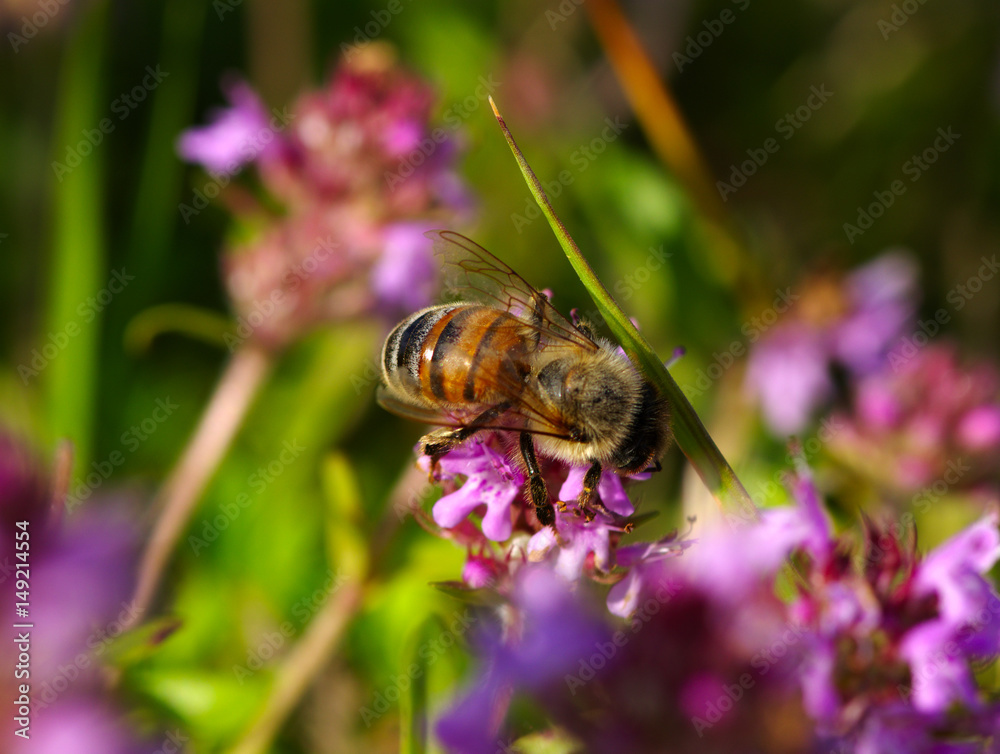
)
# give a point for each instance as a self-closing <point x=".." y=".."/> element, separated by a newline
<point x="432" y="470"/>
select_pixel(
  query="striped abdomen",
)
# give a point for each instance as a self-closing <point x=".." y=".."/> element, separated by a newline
<point x="457" y="354"/>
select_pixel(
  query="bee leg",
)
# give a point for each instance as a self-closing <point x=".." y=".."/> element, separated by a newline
<point x="655" y="467"/>
<point x="538" y="317"/>
<point x="536" y="485"/>
<point x="585" y="329"/>
<point x="587" y="501"/>
<point x="439" y="442"/>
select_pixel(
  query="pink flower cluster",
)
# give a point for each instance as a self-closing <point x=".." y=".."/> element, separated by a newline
<point x="353" y="200"/>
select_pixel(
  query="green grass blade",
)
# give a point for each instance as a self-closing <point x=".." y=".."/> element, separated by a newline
<point x="413" y="703"/>
<point x="689" y="432"/>
<point x="78" y="254"/>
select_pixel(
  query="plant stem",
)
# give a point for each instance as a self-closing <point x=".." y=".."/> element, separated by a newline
<point x="661" y="120"/>
<point x="305" y="660"/>
<point x="691" y="435"/>
<point x="654" y="105"/>
<point x="240" y="383"/>
<point x="313" y="651"/>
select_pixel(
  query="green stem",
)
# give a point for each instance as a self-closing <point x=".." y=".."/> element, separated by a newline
<point x="194" y="321"/>
<point x="692" y="437"/>
<point x="78" y="259"/>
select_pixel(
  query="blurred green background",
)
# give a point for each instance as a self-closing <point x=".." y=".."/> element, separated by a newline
<point x="63" y="234"/>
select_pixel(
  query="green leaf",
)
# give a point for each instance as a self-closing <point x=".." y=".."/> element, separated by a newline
<point x="134" y="646"/>
<point x="460" y="591"/>
<point x="213" y="706"/>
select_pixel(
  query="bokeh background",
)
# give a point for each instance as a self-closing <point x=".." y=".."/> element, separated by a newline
<point x="238" y="600"/>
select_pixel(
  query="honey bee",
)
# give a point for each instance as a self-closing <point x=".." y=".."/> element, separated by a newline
<point x="509" y="361"/>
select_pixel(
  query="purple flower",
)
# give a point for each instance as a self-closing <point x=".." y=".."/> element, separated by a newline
<point x="405" y="276"/>
<point x="23" y="492"/>
<point x="235" y="135"/>
<point x="81" y="587"/>
<point x="480" y="571"/>
<point x="80" y="574"/>
<point x="78" y="726"/>
<point x="642" y="562"/>
<point x="788" y="372"/>
<point x="545" y="634"/>
<point x="580" y="539"/>
<point x="851" y="324"/>
<point x="687" y="672"/>
<point x="351" y="188"/>
<point x="892" y="637"/>
<point x="490" y="480"/>
<point x="577" y="538"/>
<point x="967" y="623"/>
<point x="881" y="299"/>
<point x="610" y="489"/>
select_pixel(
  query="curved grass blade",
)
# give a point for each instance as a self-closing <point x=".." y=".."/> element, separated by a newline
<point x="692" y="437"/>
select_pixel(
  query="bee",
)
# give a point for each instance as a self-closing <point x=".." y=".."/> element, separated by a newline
<point x="508" y="360"/>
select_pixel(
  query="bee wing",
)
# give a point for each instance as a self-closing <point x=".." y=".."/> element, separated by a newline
<point x="470" y="270"/>
<point x="419" y="412"/>
<point x="527" y="412"/>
